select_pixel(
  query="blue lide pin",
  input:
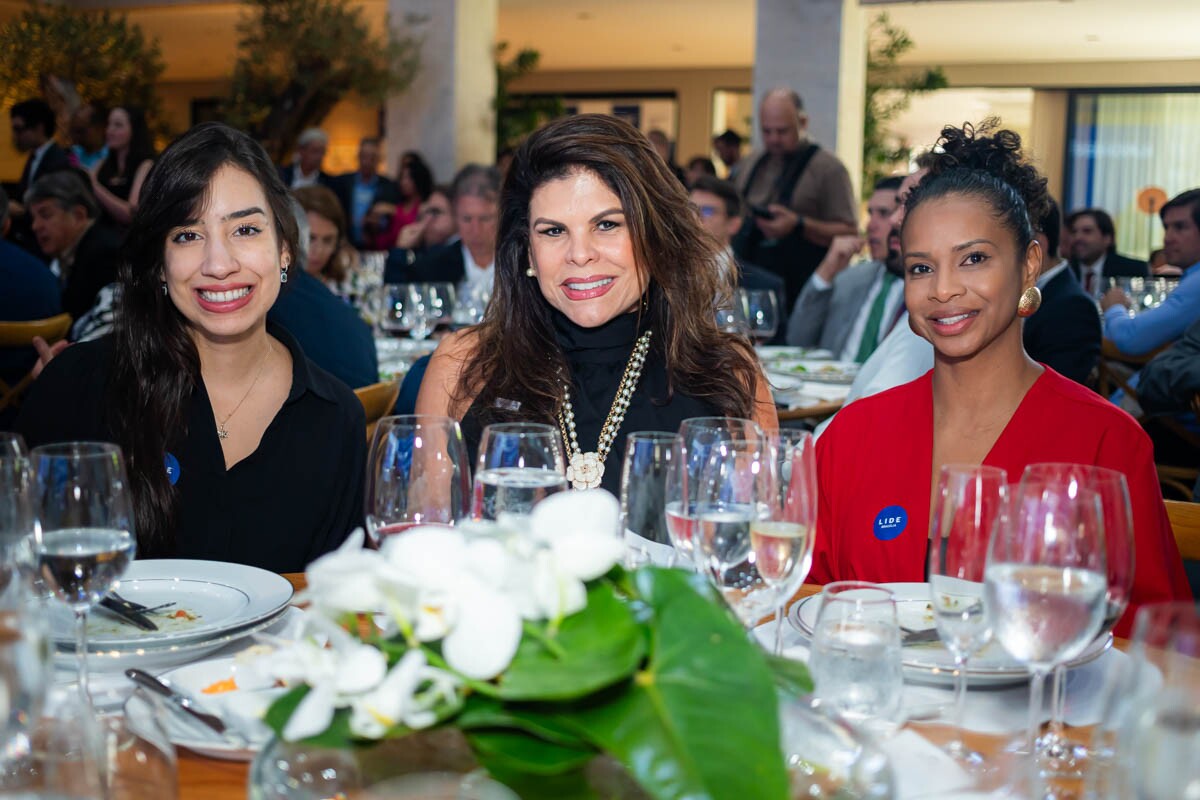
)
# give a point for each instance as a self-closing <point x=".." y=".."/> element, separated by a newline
<point x="172" y="465"/>
<point x="890" y="523"/>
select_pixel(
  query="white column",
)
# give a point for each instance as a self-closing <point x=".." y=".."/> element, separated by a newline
<point x="446" y="114"/>
<point x="818" y="48"/>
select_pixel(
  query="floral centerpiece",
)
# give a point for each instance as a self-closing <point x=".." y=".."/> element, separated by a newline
<point x="526" y="636"/>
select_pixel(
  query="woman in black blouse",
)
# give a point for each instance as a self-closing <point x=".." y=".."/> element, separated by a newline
<point x="117" y="180"/>
<point x="600" y="263"/>
<point x="238" y="447"/>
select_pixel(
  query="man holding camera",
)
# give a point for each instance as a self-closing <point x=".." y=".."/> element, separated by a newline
<point x="798" y="194"/>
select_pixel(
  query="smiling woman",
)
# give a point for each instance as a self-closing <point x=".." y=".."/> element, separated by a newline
<point x="239" y="448"/>
<point x="971" y="262"/>
<point x="605" y="286"/>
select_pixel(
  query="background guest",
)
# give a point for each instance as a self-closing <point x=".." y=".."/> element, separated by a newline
<point x="415" y="183"/>
<point x="1094" y="256"/>
<point x="117" y="181"/>
<point x="33" y="126"/>
<point x="331" y="258"/>
<point x="88" y="130"/>
<point x="728" y="147"/>
<point x="305" y="169"/>
<point x="720" y="210"/>
<point x="697" y="167"/>
<point x="435" y="227"/>
<point x="476" y="192"/>
<point x="360" y="190"/>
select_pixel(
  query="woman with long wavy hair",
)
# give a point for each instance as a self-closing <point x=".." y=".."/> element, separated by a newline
<point x="238" y="447"/>
<point x="600" y="258"/>
<point x="117" y="180"/>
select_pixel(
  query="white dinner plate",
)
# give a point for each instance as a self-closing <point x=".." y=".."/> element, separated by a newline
<point x="814" y="371"/>
<point x="769" y="352"/>
<point x="241" y="706"/>
<point x="932" y="662"/>
<point x="217" y="597"/>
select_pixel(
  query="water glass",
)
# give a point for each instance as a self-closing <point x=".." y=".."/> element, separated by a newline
<point x="649" y="457"/>
<point x="855" y="660"/>
<point x="11" y="444"/>
<point x="520" y="464"/>
<point x="971" y="504"/>
<point x="783" y="544"/>
<point x="395" y="318"/>
<point x="423" y="310"/>
<point x="83" y="528"/>
<point x="1045" y="583"/>
<point x="418" y="473"/>
<point x="442" y="300"/>
<point x="760" y="308"/>
<point x="470" y="304"/>
<point x="24" y="675"/>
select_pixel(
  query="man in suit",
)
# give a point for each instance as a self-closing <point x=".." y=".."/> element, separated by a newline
<point x="1064" y="333"/>
<point x="849" y="310"/>
<point x="471" y="260"/>
<point x="85" y="252"/>
<point x="798" y="193"/>
<point x="33" y="126"/>
<point x="1094" y="256"/>
<point x="360" y="190"/>
<point x="305" y="170"/>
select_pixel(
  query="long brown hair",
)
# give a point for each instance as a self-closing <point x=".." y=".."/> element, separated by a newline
<point x="516" y="355"/>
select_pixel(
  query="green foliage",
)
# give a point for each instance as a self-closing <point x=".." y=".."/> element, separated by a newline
<point x="299" y="58"/>
<point x="54" y="51"/>
<point x="888" y="94"/>
<point x="518" y="116"/>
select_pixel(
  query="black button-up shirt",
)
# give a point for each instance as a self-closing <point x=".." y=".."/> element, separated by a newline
<point x="295" y="497"/>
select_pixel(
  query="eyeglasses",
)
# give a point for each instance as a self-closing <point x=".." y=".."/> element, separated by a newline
<point x="705" y="211"/>
<point x="432" y="212"/>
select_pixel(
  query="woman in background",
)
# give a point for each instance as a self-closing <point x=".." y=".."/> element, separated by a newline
<point x="117" y="180"/>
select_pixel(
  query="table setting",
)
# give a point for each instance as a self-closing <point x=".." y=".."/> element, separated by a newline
<point x="489" y="608"/>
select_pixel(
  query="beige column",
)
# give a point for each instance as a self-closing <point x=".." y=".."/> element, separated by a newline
<point x="1047" y="144"/>
<point x="818" y="48"/>
<point x="447" y="112"/>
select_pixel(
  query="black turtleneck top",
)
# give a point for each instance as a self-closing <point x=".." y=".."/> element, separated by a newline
<point x="597" y="358"/>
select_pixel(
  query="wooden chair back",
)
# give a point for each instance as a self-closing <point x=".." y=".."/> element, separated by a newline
<point x="1185" y="524"/>
<point x="20" y="334"/>
<point x="377" y="400"/>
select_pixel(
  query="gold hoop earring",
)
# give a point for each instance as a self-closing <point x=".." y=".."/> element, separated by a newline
<point x="529" y="273"/>
<point x="1031" y="301"/>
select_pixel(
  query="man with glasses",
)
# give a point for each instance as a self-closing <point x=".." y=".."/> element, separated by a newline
<point x="720" y="209"/>
<point x="33" y="127"/>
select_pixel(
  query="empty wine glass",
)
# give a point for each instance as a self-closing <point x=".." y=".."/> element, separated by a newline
<point x="520" y="464"/>
<point x="423" y="310"/>
<point x="83" y="529"/>
<point x="1059" y="754"/>
<point x="417" y="474"/>
<point x="969" y="507"/>
<point x="644" y="473"/>
<point x="783" y="543"/>
<point x="394" y="316"/>
<point x="855" y="660"/>
<point x="11" y="444"/>
<point x="760" y="308"/>
<point x="732" y="319"/>
<point x="1045" y="581"/>
<point x="470" y="304"/>
<point x="737" y="489"/>
<point x="442" y="301"/>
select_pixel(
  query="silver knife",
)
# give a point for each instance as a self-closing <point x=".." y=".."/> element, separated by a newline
<point x="186" y="703"/>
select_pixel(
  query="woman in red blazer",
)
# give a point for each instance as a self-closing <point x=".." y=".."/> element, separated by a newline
<point x="971" y="264"/>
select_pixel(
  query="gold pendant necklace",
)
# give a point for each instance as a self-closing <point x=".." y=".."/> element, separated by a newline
<point x="221" y="431"/>
<point x="585" y="470"/>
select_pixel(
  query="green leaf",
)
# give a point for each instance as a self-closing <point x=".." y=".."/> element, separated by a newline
<point x="486" y="712"/>
<point x="597" y="647"/>
<point x="790" y="675"/>
<point x="571" y="784"/>
<point x="701" y="721"/>
<point x="517" y="751"/>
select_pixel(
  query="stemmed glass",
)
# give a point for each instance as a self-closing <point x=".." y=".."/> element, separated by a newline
<point x="394" y="316"/>
<point x="11" y="444"/>
<point x="737" y="491"/>
<point x="442" y="300"/>
<point x="423" y="310"/>
<point x="648" y="461"/>
<point x="418" y="473"/>
<point x="1045" y="581"/>
<point x="761" y="310"/>
<point x="1061" y="756"/>
<point x="970" y="506"/>
<point x="697" y="436"/>
<point x="520" y="464"/>
<point x="783" y="543"/>
<point x="732" y="319"/>
<point x="82" y="529"/>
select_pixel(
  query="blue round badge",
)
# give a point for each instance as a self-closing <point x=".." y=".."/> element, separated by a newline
<point x="172" y="465"/>
<point x="890" y="523"/>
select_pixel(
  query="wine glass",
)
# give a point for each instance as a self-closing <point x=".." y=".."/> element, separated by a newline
<point x="697" y="436"/>
<point x="1045" y="581"/>
<point x="394" y="316"/>
<point x="648" y="461"/>
<point x="732" y="319"/>
<point x="11" y="444"/>
<point x="520" y="464"/>
<point x="737" y="488"/>
<point x="969" y="507"/>
<point x="442" y="299"/>
<point x="16" y="512"/>
<point x="855" y="660"/>
<point x="422" y="311"/>
<point x="760" y="308"/>
<point x="83" y="536"/>
<point x="470" y="304"/>
<point x="1059" y="755"/>
<point x="783" y="543"/>
<point x="24" y="671"/>
<point x="417" y="474"/>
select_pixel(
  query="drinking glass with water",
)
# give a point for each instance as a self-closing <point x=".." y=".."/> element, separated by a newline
<point x="855" y="659"/>
<point x="520" y="464"/>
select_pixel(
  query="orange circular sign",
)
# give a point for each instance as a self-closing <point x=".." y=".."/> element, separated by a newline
<point x="1151" y="199"/>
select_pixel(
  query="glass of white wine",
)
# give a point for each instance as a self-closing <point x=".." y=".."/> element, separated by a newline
<point x="83" y="530"/>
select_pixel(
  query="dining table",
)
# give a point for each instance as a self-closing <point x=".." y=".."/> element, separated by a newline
<point x="202" y="778"/>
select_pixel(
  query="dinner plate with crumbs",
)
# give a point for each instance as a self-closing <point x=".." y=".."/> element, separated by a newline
<point x="209" y="599"/>
<point x="768" y="353"/>
<point x="931" y="662"/>
<point x="241" y="704"/>
<point x="818" y="371"/>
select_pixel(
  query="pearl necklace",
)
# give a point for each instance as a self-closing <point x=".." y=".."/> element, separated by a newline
<point x="586" y="469"/>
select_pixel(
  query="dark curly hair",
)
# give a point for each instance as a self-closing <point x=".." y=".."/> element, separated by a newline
<point x="981" y="161"/>
<point x="516" y="354"/>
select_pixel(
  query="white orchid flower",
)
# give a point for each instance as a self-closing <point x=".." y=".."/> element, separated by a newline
<point x="400" y="698"/>
<point x="486" y="634"/>
<point x="344" y="581"/>
<point x="582" y="530"/>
